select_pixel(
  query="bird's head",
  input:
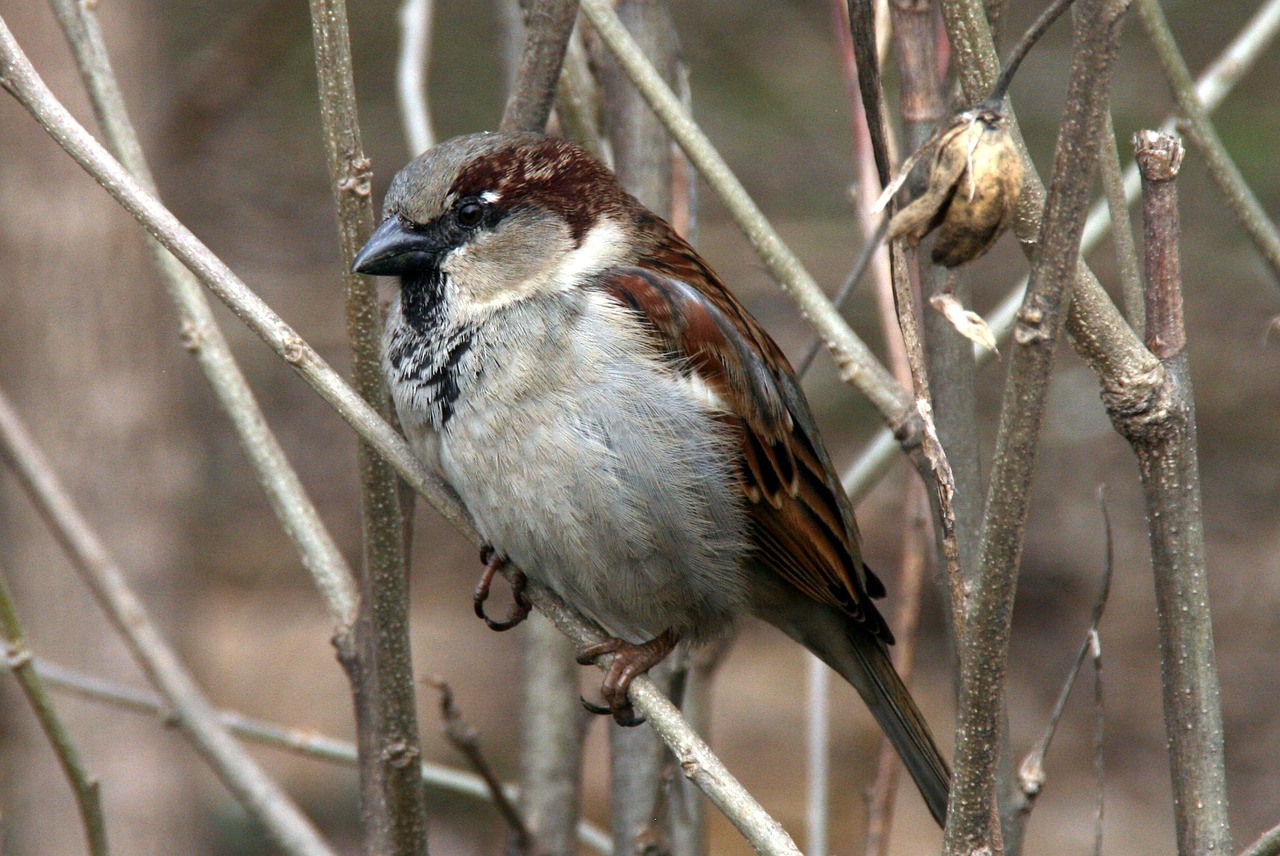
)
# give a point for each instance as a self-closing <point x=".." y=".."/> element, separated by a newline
<point x="501" y="216"/>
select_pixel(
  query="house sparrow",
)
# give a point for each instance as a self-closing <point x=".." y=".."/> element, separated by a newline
<point x="616" y="422"/>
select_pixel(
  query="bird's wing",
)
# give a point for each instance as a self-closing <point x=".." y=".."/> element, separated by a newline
<point x="802" y="523"/>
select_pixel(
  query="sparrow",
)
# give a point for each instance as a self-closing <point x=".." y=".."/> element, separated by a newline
<point x="617" y="424"/>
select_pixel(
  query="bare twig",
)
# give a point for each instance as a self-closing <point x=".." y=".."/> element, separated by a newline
<point x="547" y="30"/>
<point x="1031" y="775"/>
<point x="377" y="660"/>
<point x="204" y="339"/>
<point x="984" y="643"/>
<point x="412" y="65"/>
<point x="17" y="657"/>
<point x="466" y="740"/>
<point x="1121" y="232"/>
<point x="1201" y="133"/>
<point x="1212" y="87"/>
<point x="237" y="770"/>
<point x="1163" y="436"/>
<point x="305" y="742"/>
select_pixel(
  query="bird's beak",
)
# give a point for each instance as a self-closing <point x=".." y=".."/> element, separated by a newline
<point x="390" y="249"/>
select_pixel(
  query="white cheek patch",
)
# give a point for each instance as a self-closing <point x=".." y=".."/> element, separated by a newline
<point x="601" y="248"/>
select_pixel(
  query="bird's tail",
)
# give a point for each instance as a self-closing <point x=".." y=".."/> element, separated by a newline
<point x="864" y="662"/>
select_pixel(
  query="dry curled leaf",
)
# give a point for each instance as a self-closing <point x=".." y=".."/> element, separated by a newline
<point x="974" y="183"/>
<point x="967" y="323"/>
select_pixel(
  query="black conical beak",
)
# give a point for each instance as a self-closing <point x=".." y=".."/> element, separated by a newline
<point x="391" y="249"/>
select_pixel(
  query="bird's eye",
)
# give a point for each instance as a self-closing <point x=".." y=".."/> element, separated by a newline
<point x="470" y="214"/>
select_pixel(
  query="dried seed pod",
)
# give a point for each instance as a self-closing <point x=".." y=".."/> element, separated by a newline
<point x="973" y="188"/>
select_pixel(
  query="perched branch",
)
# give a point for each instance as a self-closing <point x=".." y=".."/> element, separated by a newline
<point x="19" y="78"/>
<point x="229" y="761"/>
<point x="17" y="657"/>
<point x="1163" y="436"/>
<point x="377" y="657"/>
<point x="204" y="339"/>
<point x="1200" y="131"/>
<point x="984" y="643"/>
<point x="547" y="31"/>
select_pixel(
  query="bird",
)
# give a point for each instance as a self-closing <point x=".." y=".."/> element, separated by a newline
<point x="617" y="424"/>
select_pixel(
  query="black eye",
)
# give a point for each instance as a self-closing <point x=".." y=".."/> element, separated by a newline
<point x="470" y="214"/>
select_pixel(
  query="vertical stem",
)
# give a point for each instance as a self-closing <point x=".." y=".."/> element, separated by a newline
<point x="1121" y="231"/>
<point x="971" y="826"/>
<point x="1165" y="445"/>
<point x="551" y="740"/>
<point x="17" y="657"/>
<point x="548" y="27"/>
<point x="378" y="661"/>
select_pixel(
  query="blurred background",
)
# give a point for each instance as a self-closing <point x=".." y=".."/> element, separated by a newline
<point x="224" y="93"/>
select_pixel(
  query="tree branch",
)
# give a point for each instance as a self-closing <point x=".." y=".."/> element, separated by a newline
<point x="236" y="769"/>
<point x="971" y="827"/>
<point x="547" y="31"/>
<point x="1200" y="131"/>
<point x="17" y="657"/>
<point x="304" y="742"/>
<point x="378" y="661"/>
<point x="1163" y="436"/>
<point x="204" y="339"/>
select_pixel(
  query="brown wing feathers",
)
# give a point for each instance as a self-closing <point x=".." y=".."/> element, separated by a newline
<point x="803" y="531"/>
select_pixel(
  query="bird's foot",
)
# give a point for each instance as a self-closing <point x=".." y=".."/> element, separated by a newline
<point x="629" y="662"/>
<point x="519" y="610"/>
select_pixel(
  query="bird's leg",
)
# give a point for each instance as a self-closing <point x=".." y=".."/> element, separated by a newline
<point x="519" y="610"/>
<point x="629" y="662"/>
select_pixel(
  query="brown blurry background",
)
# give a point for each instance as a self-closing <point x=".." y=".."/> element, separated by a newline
<point x="224" y="93"/>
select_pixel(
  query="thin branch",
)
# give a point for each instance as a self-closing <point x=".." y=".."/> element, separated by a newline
<point x="204" y="339"/>
<point x="1201" y="133"/>
<point x="547" y="31"/>
<point x="1268" y="844"/>
<point x="466" y="740"/>
<point x="984" y="643"/>
<point x="19" y="78"/>
<point x="1163" y="436"/>
<point x="1217" y="81"/>
<point x="1031" y="775"/>
<point x="229" y="761"/>
<point x="856" y="363"/>
<point x="817" y="754"/>
<point x="304" y="742"/>
<point x="17" y="657"/>
<point x="1121" y="231"/>
<point x="412" y="67"/>
<point x="377" y="657"/>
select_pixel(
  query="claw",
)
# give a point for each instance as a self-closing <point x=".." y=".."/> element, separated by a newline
<point x="522" y="606"/>
<point x="629" y="662"/>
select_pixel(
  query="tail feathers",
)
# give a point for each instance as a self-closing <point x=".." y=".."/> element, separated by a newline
<point x="864" y="662"/>
<point x="876" y="680"/>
